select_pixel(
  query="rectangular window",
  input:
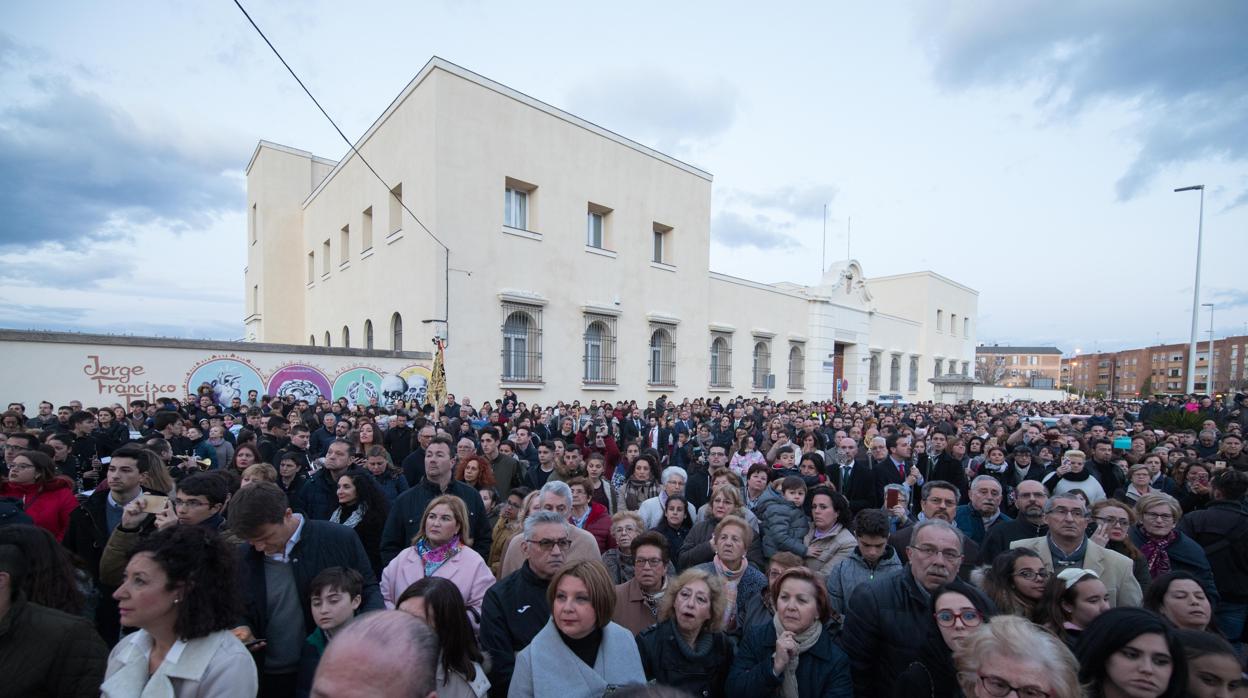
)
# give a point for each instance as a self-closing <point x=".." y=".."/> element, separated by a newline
<point x="936" y="370"/>
<point x="517" y="203"/>
<point x="344" y="244"/>
<point x="522" y="342"/>
<point x="953" y="324"/>
<point x="913" y="383"/>
<point x="311" y="267"/>
<point x="940" y="320"/>
<point x="251" y="224"/>
<point x="873" y="372"/>
<point x="966" y="327"/>
<point x="255" y="299"/>
<point x="366" y="230"/>
<point x="661" y="253"/>
<point x="396" y="209"/>
<point x="325" y="257"/>
<point x="596" y="226"/>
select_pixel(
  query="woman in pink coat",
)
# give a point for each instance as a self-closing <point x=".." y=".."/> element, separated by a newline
<point x="442" y="548"/>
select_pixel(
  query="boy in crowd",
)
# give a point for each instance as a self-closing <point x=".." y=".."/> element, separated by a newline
<point x="336" y="594"/>
<point x="784" y="523"/>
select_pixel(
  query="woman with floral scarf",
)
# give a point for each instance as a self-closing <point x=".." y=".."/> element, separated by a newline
<point x="442" y="548"/>
<point x="1164" y="547"/>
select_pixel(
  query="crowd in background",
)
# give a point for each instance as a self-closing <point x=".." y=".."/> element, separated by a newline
<point x="722" y="547"/>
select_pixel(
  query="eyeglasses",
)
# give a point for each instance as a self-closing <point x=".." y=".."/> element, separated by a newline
<point x="21" y="466"/>
<point x="1198" y="478"/>
<point x="1112" y="522"/>
<point x="970" y="618"/>
<point x="999" y="687"/>
<point x="1163" y="516"/>
<point x="1063" y="512"/>
<point x="1032" y="574"/>
<point x="547" y="544"/>
<point x="647" y="562"/>
<point x="189" y="503"/>
<point x="930" y="550"/>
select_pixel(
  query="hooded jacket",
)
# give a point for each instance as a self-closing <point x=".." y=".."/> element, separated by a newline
<point x="853" y="571"/>
<point x="49" y="503"/>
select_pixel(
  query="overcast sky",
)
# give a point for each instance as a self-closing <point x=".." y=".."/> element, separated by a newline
<point x="1026" y="149"/>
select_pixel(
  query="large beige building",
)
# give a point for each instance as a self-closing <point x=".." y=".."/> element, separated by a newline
<point x="575" y="265"/>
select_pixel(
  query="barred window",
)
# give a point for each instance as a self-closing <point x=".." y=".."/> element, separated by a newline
<point x="894" y="374"/>
<point x="936" y="371"/>
<point x="662" y="354"/>
<point x="721" y="360"/>
<point x="762" y="363"/>
<point x="873" y="373"/>
<point x="522" y="343"/>
<point x="599" y="358"/>
<point x="797" y="367"/>
<point x="913" y="384"/>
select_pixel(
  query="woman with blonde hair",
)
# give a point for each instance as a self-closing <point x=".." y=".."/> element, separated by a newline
<point x="442" y="548"/>
<point x="1011" y="656"/>
<point x="258" y="472"/>
<point x="687" y="648"/>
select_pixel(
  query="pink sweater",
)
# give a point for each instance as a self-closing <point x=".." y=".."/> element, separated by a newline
<point x="466" y="569"/>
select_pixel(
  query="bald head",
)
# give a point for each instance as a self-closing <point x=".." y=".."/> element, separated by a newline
<point x="386" y="653"/>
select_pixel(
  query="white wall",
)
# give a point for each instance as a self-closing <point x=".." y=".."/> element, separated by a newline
<point x="993" y="393"/>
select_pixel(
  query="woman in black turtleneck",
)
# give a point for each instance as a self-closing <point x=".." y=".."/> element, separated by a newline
<point x="579" y="653"/>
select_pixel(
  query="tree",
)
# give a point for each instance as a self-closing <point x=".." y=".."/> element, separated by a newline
<point x="989" y="373"/>
<point x="1146" y="390"/>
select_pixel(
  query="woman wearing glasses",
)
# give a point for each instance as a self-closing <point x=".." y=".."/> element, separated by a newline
<point x="1111" y="523"/>
<point x="1015" y="582"/>
<point x="1012" y="657"/>
<point x="955" y="615"/>
<point x="1166" y="548"/>
<point x="1072" y="600"/>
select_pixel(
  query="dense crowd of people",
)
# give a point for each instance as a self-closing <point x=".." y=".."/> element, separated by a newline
<point x="722" y="547"/>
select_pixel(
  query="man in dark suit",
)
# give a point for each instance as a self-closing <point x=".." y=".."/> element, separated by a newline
<point x="894" y="467"/>
<point x="852" y="476"/>
<point x="657" y="437"/>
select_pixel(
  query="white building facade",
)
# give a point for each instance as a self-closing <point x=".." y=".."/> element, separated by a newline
<point x="575" y="265"/>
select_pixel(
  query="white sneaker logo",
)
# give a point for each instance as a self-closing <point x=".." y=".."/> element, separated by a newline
<point x="523" y="608"/>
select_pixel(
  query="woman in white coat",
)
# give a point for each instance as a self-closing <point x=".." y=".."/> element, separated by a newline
<point x="593" y="655"/>
<point x="179" y="591"/>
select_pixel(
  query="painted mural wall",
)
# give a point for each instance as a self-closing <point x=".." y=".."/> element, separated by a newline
<point x="103" y="370"/>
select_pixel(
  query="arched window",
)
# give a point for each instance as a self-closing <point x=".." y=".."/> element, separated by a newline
<point x="311" y="340"/>
<point x="368" y="334"/>
<point x="873" y="373"/>
<point x="797" y="367"/>
<point x="396" y="332"/>
<point x="326" y="337"/>
<point x="346" y="337"/>
<point x="516" y="346"/>
<point x="599" y="358"/>
<point x="662" y="357"/>
<point x="894" y="374"/>
<point x="762" y="364"/>
<point x="721" y="362"/>
<point x="913" y="384"/>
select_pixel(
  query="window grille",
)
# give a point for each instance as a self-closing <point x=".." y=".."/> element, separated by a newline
<point x="599" y="357"/>
<point x="662" y="362"/>
<point x="721" y="360"/>
<point x="522" y="343"/>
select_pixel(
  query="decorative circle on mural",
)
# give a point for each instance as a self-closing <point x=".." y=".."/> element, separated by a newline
<point x="358" y="385"/>
<point x="229" y="378"/>
<point x="411" y="383"/>
<point x="299" y="381"/>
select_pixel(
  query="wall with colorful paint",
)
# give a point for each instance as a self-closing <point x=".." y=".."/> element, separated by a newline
<point x="101" y="370"/>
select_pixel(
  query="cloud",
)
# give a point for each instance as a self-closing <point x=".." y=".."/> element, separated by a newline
<point x="671" y="113"/>
<point x="75" y="168"/>
<point x="758" y="231"/>
<point x="1182" y="68"/>
<point x="1227" y="298"/>
<point x="53" y="264"/>
<point x="804" y="202"/>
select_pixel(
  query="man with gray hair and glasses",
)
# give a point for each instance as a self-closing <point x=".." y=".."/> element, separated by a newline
<point x="879" y="634"/>
<point x="1067" y="546"/>
<point x="515" y="609"/>
<point x="555" y="496"/>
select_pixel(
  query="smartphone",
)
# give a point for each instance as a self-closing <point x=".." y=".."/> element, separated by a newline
<point x="254" y="642"/>
<point x="892" y="498"/>
<point x="1123" y="443"/>
<point x="155" y="502"/>
<point x="106" y="460"/>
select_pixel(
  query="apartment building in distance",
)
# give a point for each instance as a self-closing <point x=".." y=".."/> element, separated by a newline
<point x="1018" y="367"/>
<point x="1158" y="370"/>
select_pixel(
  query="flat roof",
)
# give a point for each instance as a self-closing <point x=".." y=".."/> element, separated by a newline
<point x="1017" y="350"/>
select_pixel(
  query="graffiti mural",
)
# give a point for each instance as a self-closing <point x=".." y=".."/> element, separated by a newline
<point x="359" y="385"/>
<point x="411" y="383"/>
<point x="300" y="381"/>
<point x="230" y="377"/>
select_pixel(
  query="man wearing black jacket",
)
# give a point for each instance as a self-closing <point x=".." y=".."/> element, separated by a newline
<point x="1029" y="500"/>
<point x="1221" y="528"/>
<point x="407" y="513"/>
<point x="854" y="477"/>
<point x="283" y="553"/>
<point x="515" y="609"/>
<point x="398" y="439"/>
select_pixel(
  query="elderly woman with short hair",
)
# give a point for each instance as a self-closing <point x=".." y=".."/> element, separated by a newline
<point x="1012" y="656"/>
<point x="653" y="509"/>
<point x="1166" y="548"/>
<point x="687" y="648"/>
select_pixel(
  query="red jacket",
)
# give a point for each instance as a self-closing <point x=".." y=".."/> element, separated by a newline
<point x="49" y="504"/>
<point x="598" y="523"/>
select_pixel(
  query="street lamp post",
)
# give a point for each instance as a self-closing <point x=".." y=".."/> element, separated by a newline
<point x="1209" y="385"/>
<point x="1200" y="231"/>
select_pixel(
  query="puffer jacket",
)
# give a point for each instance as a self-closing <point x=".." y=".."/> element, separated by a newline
<point x="784" y="527"/>
<point x="45" y="652"/>
<point x="49" y="504"/>
<point x="698" y="671"/>
<point x="1221" y="529"/>
<point x="853" y="571"/>
<point x="880" y="630"/>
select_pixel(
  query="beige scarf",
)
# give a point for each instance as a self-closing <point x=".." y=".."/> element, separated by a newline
<point x="805" y="640"/>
